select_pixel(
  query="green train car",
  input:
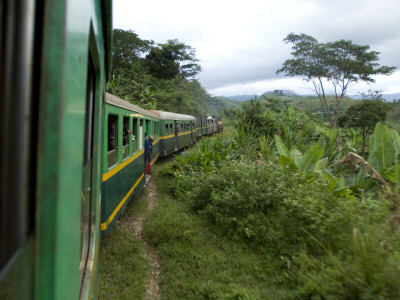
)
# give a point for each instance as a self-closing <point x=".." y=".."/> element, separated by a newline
<point x="201" y="124"/>
<point x="55" y="55"/>
<point x="125" y="129"/>
<point x="177" y="131"/>
<point x="126" y="126"/>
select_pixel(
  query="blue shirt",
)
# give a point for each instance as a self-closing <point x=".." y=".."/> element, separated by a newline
<point x="148" y="147"/>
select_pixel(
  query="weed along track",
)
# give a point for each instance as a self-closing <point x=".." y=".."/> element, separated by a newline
<point x="153" y="289"/>
<point x="130" y="267"/>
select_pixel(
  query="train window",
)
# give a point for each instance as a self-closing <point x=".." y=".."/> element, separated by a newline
<point x="112" y="140"/>
<point x="170" y="129"/>
<point x="125" y="131"/>
<point x="134" y="135"/>
<point x="20" y="56"/>
<point x="166" y="129"/>
<point x="141" y="141"/>
<point x="125" y="137"/>
<point x="148" y="128"/>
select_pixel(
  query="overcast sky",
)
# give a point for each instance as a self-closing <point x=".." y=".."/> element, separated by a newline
<point x="239" y="43"/>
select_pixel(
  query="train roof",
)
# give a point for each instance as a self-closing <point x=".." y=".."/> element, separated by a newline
<point x="165" y="115"/>
<point x="114" y="100"/>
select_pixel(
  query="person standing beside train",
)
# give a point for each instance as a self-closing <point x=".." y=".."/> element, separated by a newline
<point x="148" y="148"/>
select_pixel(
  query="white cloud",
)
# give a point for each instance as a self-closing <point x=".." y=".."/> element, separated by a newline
<point x="239" y="43"/>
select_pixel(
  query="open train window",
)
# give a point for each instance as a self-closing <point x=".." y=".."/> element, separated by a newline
<point x="125" y="137"/>
<point x="20" y="56"/>
<point x="112" y="140"/>
<point x="141" y="140"/>
<point x="166" y="129"/>
<point x="134" y="135"/>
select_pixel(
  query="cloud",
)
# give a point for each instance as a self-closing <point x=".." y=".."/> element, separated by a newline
<point x="239" y="43"/>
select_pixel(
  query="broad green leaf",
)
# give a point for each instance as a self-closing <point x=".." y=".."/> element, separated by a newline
<point x="285" y="161"/>
<point x="372" y="157"/>
<point x="393" y="173"/>
<point x="361" y="177"/>
<point x="295" y="155"/>
<point x="280" y="145"/>
<point x="396" y="142"/>
<point x="382" y="150"/>
<point x="310" y="159"/>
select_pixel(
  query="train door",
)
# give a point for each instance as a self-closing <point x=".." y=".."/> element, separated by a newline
<point x="176" y="132"/>
<point x="86" y="192"/>
<point x="191" y="130"/>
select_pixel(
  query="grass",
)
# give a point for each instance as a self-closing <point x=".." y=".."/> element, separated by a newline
<point x="198" y="263"/>
<point x="124" y="271"/>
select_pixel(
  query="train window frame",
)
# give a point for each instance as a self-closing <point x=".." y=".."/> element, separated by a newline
<point x="112" y="154"/>
<point x="19" y="43"/>
<point x="87" y="168"/>
<point x="141" y="135"/>
<point x="125" y="137"/>
<point x="134" y="135"/>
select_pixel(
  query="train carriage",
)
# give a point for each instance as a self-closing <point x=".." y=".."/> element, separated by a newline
<point x="55" y="55"/>
<point x="176" y="131"/>
<point x="201" y="125"/>
<point x="126" y="127"/>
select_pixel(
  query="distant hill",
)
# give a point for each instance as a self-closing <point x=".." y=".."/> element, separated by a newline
<point x="280" y="93"/>
<point x="248" y="97"/>
<point x="239" y="97"/>
<point x="387" y="97"/>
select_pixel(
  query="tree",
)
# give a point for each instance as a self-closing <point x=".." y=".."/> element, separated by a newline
<point x="254" y="116"/>
<point x="340" y="64"/>
<point x="128" y="48"/>
<point x="173" y="59"/>
<point x="364" y="116"/>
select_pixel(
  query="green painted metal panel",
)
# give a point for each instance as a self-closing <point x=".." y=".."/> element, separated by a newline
<point x="125" y="179"/>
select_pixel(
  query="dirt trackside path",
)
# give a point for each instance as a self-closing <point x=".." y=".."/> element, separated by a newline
<point x="153" y="289"/>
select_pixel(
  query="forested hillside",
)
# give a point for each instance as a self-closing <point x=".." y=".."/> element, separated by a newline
<point x="160" y="76"/>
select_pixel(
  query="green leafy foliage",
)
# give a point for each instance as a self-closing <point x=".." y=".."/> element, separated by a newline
<point x="160" y="76"/>
<point x="364" y="116"/>
<point x="253" y="116"/>
<point x="330" y="242"/>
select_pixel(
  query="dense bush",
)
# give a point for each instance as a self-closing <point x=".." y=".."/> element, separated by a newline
<point x="327" y="244"/>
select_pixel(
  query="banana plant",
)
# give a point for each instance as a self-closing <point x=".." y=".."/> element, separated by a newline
<point x="308" y="162"/>
<point x="383" y="164"/>
<point x="385" y="151"/>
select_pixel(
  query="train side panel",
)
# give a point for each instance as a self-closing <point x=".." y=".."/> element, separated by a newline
<point x="66" y="43"/>
<point x="123" y="162"/>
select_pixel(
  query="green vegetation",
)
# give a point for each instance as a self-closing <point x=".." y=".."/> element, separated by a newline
<point x="124" y="270"/>
<point x="364" y="116"/>
<point x="324" y="219"/>
<point x="160" y="76"/>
